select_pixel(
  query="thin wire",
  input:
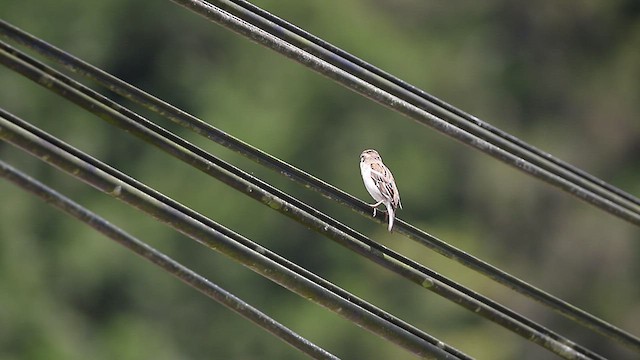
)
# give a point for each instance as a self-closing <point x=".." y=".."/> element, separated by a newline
<point x="417" y="266"/>
<point x="86" y="172"/>
<point x="216" y="240"/>
<point x="233" y="235"/>
<point x="539" y="334"/>
<point x="375" y="76"/>
<point x="169" y="265"/>
<point x="178" y="116"/>
<point x="382" y="97"/>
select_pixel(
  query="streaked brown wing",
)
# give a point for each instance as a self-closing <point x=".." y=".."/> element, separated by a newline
<point x="384" y="181"/>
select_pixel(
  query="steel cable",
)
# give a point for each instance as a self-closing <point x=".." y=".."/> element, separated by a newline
<point x="163" y="261"/>
<point x="216" y="240"/>
<point x="401" y="106"/>
<point x="150" y="134"/>
<point x="231" y="234"/>
<point x="375" y="76"/>
<point x="184" y="119"/>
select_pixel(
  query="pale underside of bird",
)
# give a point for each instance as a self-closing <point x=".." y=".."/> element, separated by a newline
<point x="380" y="184"/>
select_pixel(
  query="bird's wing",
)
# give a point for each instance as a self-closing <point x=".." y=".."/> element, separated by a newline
<point x="384" y="181"/>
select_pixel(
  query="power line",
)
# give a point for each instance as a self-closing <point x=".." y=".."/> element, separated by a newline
<point x="227" y="232"/>
<point x="406" y="108"/>
<point x="377" y="77"/>
<point x="177" y="147"/>
<point x="186" y="120"/>
<point x="216" y="240"/>
<point x="169" y="265"/>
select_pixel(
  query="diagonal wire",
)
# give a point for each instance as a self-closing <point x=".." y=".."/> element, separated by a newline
<point x="417" y="266"/>
<point x="227" y="232"/>
<point x="218" y="241"/>
<point x="410" y="270"/>
<point x="176" y="115"/>
<point x="401" y="106"/>
<point x="375" y="76"/>
<point x="169" y="265"/>
<point x="88" y="173"/>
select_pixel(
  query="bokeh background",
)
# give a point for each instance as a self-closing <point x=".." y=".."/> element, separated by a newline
<point x="563" y="76"/>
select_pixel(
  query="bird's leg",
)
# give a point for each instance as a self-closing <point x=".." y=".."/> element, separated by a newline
<point x="374" y="206"/>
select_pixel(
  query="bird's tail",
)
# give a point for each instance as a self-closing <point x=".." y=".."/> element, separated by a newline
<point x="392" y="216"/>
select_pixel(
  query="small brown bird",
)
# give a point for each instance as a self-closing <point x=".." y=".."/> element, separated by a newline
<point x="379" y="183"/>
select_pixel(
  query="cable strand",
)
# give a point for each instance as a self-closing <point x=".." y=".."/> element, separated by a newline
<point x="216" y="240"/>
<point x="227" y="232"/>
<point x="350" y="63"/>
<point x="150" y="133"/>
<point x="186" y="120"/>
<point x="163" y="261"/>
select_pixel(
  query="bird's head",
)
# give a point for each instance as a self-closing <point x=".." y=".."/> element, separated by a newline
<point x="370" y="154"/>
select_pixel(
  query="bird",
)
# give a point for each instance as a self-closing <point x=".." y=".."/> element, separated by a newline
<point x="380" y="184"/>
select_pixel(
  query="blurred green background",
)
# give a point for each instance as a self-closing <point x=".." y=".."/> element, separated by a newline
<point x="563" y="76"/>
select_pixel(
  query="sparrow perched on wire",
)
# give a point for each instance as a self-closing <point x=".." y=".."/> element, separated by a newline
<point x="379" y="183"/>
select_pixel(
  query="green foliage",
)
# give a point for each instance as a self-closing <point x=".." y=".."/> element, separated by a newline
<point x="560" y="75"/>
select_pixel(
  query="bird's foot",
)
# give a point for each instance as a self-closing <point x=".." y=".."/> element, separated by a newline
<point x="375" y="207"/>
